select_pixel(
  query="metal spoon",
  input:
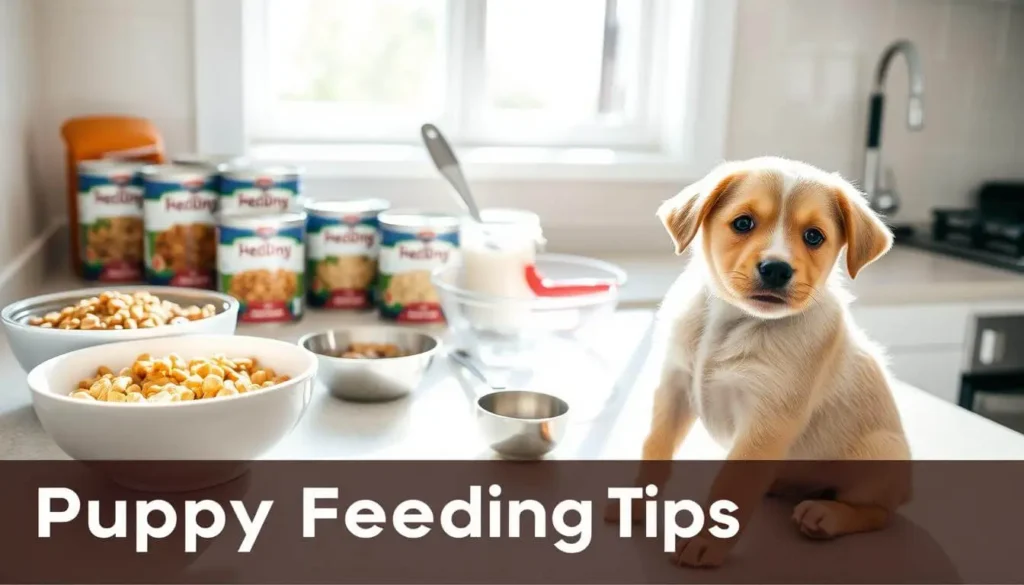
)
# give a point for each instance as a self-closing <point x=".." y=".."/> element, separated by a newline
<point x="517" y="424"/>
<point x="448" y="165"/>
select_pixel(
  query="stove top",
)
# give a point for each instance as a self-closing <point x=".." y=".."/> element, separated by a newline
<point x="999" y="246"/>
<point x="991" y="233"/>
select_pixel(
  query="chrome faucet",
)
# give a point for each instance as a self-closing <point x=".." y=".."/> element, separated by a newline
<point x="885" y="200"/>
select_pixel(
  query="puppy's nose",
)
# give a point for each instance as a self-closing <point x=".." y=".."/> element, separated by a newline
<point x="775" y="273"/>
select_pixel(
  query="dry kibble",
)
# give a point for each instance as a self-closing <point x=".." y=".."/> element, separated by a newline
<point x="359" y="351"/>
<point x="174" y="379"/>
<point x="161" y="396"/>
<point x="227" y="391"/>
<point x="115" y="310"/>
<point x="212" y="384"/>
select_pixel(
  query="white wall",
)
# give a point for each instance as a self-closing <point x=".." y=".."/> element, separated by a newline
<point x="801" y="78"/>
<point x="20" y="216"/>
<point x="110" y="57"/>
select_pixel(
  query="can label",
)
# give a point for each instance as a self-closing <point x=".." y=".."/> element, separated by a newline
<point x="263" y="269"/>
<point x="342" y="263"/>
<point x="181" y="238"/>
<point x="110" y="222"/>
<point x="260" y="195"/>
<point x="404" y="292"/>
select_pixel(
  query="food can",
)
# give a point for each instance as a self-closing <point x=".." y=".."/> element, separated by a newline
<point x="413" y="245"/>
<point x="260" y="260"/>
<point x="181" y="229"/>
<point x="213" y="161"/>
<point x="260" y="189"/>
<point x="110" y="220"/>
<point x="342" y="245"/>
<point x="216" y="163"/>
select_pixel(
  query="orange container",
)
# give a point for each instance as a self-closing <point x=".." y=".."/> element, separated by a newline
<point x="104" y="137"/>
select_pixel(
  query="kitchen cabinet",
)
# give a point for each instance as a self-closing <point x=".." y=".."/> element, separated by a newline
<point x="927" y="344"/>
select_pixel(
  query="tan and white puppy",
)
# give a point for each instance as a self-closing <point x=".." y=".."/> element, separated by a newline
<point x="762" y="349"/>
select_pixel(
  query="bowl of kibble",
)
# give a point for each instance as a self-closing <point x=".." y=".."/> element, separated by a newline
<point x="190" y="397"/>
<point x="372" y="363"/>
<point x="46" y="326"/>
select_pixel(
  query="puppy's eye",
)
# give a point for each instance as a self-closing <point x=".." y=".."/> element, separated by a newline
<point x="743" y="224"/>
<point x="813" y="237"/>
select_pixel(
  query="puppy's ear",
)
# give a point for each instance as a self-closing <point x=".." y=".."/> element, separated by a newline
<point x="683" y="214"/>
<point x="867" y="237"/>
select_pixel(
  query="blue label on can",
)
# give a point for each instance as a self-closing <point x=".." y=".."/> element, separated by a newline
<point x="181" y="244"/>
<point x="404" y="291"/>
<point x="263" y="269"/>
<point x="262" y="194"/>
<point x="110" y="226"/>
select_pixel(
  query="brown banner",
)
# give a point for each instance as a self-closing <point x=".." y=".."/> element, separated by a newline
<point x="446" y="522"/>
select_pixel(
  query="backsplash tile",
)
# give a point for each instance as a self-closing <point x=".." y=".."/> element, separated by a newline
<point x="804" y="70"/>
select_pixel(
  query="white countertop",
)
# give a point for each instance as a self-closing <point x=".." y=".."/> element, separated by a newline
<point x="610" y="389"/>
<point x="904" y="275"/>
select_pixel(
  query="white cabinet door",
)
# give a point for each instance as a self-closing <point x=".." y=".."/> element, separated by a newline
<point x="934" y="370"/>
<point x="914" y="326"/>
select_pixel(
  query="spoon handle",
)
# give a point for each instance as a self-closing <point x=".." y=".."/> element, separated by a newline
<point x="464" y="360"/>
<point x="444" y="158"/>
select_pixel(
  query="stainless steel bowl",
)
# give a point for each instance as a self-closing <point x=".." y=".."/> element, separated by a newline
<point x="34" y="345"/>
<point x="520" y="424"/>
<point x="372" y="380"/>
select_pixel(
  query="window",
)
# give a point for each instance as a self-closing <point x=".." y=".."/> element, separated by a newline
<point x="620" y="76"/>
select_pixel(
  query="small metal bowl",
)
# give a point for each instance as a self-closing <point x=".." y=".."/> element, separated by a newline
<point x="372" y="380"/>
<point x="520" y="424"/>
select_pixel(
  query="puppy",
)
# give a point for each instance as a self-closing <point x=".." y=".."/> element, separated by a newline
<point x="762" y="349"/>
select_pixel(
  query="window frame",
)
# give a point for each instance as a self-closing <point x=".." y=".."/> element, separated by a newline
<point x="684" y="142"/>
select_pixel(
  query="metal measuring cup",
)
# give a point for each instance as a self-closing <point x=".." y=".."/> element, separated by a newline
<point x="517" y="424"/>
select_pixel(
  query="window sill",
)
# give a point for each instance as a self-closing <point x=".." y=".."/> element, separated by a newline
<point x="382" y="161"/>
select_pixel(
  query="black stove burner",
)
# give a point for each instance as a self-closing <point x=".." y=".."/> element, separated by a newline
<point x="970" y="227"/>
<point x="957" y="246"/>
<point x="992" y="232"/>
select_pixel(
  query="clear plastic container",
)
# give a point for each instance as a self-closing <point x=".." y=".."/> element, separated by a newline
<point x="497" y="252"/>
<point x="495" y="257"/>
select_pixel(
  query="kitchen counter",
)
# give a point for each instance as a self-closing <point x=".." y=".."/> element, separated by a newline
<point x="904" y="275"/>
<point x="613" y="383"/>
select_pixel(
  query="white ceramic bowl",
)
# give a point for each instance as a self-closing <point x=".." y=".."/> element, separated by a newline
<point x="241" y="427"/>
<point x="34" y="345"/>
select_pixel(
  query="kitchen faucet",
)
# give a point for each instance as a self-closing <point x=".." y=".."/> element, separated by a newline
<point x="884" y="200"/>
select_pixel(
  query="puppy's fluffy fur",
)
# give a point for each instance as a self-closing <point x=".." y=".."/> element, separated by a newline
<point x="775" y="373"/>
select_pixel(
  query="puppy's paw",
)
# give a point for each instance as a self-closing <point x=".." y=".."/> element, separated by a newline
<point x="701" y="551"/>
<point x="612" y="512"/>
<point x="816" y="519"/>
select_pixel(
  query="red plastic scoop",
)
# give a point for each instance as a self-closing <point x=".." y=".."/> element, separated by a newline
<point x="545" y="287"/>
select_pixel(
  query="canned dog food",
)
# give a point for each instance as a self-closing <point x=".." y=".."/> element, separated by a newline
<point x="343" y="241"/>
<point x="215" y="163"/>
<point x="260" y="259"/>
<point x="110" y="220"/>
<point x="181" y="230"/>
<point x="412" y="245"/>
<point x="255" y="189"/>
